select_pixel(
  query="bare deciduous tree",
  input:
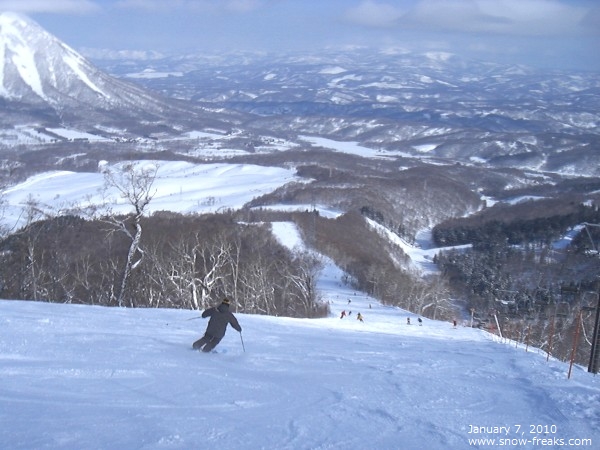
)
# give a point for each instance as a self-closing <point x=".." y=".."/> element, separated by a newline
<point x="211" y="267"/>
<point x="134" y="184"/>
<point x="303" y="280"/>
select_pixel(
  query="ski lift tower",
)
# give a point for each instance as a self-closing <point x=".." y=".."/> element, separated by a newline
<point x="594" y="364"/>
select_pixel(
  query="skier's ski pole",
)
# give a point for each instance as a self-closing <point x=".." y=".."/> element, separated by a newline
<point x="192" y="318"/>
<point x="242" y="339"/>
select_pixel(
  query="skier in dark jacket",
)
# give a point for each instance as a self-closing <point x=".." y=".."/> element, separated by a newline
<point x="219" y="318"/>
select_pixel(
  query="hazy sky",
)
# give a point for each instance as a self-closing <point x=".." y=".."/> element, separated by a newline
<point x="546" y="33"/>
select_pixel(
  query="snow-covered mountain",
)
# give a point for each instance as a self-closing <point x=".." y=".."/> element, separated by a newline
<point x="34" y="65"/>
<point x="44" y="76"/>
<point x="431" y="105"/>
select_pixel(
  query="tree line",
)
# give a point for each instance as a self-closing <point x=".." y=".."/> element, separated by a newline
<point x="181" y="262"/>
<point x="513" y="271"/>
<point x="541" y="221"/>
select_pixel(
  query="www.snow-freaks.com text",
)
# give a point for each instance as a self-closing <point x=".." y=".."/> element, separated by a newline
<point x="520" y="435"/>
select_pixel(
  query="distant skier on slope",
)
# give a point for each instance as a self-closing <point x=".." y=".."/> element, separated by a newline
<point x="220" y="316"/>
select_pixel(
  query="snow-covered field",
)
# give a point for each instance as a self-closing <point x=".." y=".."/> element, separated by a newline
<point x="85" y="377"/>
<point x="351" y="148"/>
<point x="178" y="186"/>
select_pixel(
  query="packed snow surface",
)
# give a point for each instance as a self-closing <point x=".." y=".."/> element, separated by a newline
<point x="76" y="377"/>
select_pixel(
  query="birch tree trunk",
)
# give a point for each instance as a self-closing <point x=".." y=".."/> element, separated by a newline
<point x="133" y="184"/>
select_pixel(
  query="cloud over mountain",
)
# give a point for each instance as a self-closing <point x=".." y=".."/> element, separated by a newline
<point x="54" y="6"/>
<point x="511" y="17"/>
<point x="374" y="14"/>
<point x="235" y="6"/>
